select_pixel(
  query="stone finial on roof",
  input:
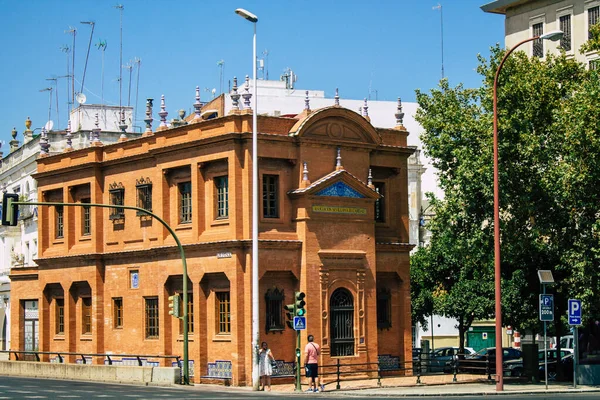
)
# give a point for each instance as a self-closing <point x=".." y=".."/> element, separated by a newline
<point x="96" y="133"/>
<point x="14" y="143"/>
<point x="305" y="181"/>
<point x="163" y="114"/>
<point x="122" y="125"/>
<point x="44" y="145"/>
<point x="365" y="110"/>
<point x="370" y="180"/>
<point x="235" y="97"/>
<point x="69" y="136"/>
<point x="148" y="120"/>
<point x="338" y="159"/>
<point x="336" y="99"/>
<point x="28" y="134"/>
<point x="306" y="102"/>
<point x="197" y="104"/>
<point x="247" y="95"/>
<point x="399" y="114"/>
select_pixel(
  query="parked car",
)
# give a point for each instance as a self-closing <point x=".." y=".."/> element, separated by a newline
<point x="415" y="353"/>
<point x="515" y="367"/>
<point x="478" y="362"/>
<point x="567" y="368"/>
<point x="441" y="359"/>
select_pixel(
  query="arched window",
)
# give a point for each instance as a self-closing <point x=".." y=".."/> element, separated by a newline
<point x="341" y="327"/>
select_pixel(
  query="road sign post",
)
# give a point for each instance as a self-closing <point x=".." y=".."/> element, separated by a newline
<point x="546" y="307"/>
<point x="574" y="311"/>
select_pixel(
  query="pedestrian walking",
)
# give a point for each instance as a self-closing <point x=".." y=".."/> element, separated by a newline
<point x="312" y="351"/>
<point x="265" y="365"/>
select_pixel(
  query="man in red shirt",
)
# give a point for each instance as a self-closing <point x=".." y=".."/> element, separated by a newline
<point x="311" y="361"/>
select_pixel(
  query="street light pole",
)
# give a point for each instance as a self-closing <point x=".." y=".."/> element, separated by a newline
<point x="255" y="309"/>
<point x="555" y="35"/>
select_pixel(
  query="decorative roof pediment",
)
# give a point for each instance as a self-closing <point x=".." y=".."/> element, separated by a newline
<point x="339" y="183"/>
<point x="336" y="124"/>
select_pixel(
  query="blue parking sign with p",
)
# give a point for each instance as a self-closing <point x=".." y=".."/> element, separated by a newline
<point x="546" y="307"/>
<point x="574" y="312"/>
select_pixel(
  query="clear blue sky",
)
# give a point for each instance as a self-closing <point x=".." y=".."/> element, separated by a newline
<point x="390" y="46"/>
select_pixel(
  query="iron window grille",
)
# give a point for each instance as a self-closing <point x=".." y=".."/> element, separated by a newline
<point x="565" y="27"/>
<point x="152" y="318"/>
<point x="60" y="316"/>
<point x="86" y="313"/>
<point x="117" y="197"/>
<point x="271" y="196"/>
<point x="384" y="309"/>
<point x="222" y="188"/>
<point x="594" y="64"/>
<point x="190" y="314"/>
<point x="185" y="202"/>
<point x="380" y="203"/>
<point x="342" y="323"/>
<point x="274" y="316"/>
<point x="223" y="313"/>
<point x="144" y="194"/>
<point x="538" y="44"/>
<point x="593" y="18"/>
<point x="86" y="220"/>
<point x="118" y="312"/>
<point x="60" y="226"/>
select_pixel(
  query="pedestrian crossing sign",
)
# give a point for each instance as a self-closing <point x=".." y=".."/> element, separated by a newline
<point x="299" y="323"/>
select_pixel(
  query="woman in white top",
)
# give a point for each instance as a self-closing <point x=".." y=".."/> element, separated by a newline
<point x="264" y="366"/>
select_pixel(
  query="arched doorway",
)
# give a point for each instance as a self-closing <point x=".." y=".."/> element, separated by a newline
<point x="341" y="306"/>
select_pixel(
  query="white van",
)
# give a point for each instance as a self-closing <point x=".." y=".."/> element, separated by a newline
<point x="566" y="342"/>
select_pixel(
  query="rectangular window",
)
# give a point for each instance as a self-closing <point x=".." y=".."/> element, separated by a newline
<point x="222" y="189"/>
<point x="86" y="221"/>
<point x="144" y="195"/>
<point x="190" y="314"/>
<point x="60" y="316"/>
<point x="151" y="318"/>
<point x="274" y="316"/>
<point x="86" y="315"/>
<point x="384" y="309"/>
<point x="60" y="225"/>
<point x="594" y="64"/>
<point x="271" y="196"/>
<point x="538" y="44"/>
<point x="380" y="203"/>
<point x="117" y="312"/>
<point x="185" y="202"/>
<point x="117" y="198"/>
<point x="223" y="313"/>
<point x="565" y="26"/>
<point x="593" y="18"/>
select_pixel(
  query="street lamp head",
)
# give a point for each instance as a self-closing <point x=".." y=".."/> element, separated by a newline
<point x="246" y="15"/>
<point x="554" y="35"/>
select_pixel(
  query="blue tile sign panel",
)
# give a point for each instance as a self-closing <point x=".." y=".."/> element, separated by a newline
<point x="574" y="312"/>
<point x="546" y="307"/>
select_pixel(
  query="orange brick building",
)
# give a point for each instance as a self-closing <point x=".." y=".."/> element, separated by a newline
<point x="333" y="224"/>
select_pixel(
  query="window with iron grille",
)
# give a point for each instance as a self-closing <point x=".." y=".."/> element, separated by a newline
<point x="151" y="317"/>
<point x="60" y="226"/>
<point x="86" y="315"/>
<point x="144" y="194"/>
<point x="185" y="202"/>
<point x="271" y="196"/>
<point x="117" y="312"/>
<point x="384" y="309"/>
<point x="538" y="44"/>
<point x="223" y="313"/>
<point x="593" y="18"/>
<point x="60" y="316"/>
<point x="380" y="203"/>
<point x="116" y="192"/>
<point x="594" y="65"/>
<point x="565" y="27"/>
<point x="190" y="313"/>
<point x="222" y="190"/>
<point x="274" y="317"/>
<point x="86" y="220"/>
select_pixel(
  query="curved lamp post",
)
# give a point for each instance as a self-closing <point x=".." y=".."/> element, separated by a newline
<point x="255" y="329"/>
<point x="554" y="35"/>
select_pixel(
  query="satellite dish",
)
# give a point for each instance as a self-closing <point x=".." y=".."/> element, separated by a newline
<point x="49" y="125"/>
<point x="80" y="98"/>
<point x="213" y="91"/>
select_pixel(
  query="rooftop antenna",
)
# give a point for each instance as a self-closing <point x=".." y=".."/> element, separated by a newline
<point x="72" y="31"/>
<point x="221" y="64"/>
<point x="93" y="24"/>
<point x="266" y="54"/>
<point x="137" y="61"/>
<point x="66" y="49"/>
<point x="120" y="8"/>
<point x="101" y="45"/>
<point x="55" y="80"/>
<point x="439" y="7"/>
<point x="129" y="66"/>
<point x="48" y="89"/>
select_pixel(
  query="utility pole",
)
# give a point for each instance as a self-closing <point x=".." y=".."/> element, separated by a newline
<point x="74" y="32"/>
<point x="120" y="8"/>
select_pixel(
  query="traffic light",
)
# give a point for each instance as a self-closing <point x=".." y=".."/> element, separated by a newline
<point x="300" y="303"/>
<point x="9" y="211"/>
<point x="290" y="311"/>
<point x="174" y="305"/>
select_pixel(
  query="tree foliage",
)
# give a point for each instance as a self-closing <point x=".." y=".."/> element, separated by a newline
<point x="549" y="170"/>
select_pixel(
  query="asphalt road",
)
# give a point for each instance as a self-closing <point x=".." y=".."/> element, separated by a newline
<point x="28" y="388"/>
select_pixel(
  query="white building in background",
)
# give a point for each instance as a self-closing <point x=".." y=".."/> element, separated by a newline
<point x="19" y="244"/>
<point x="528" y="18"/>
